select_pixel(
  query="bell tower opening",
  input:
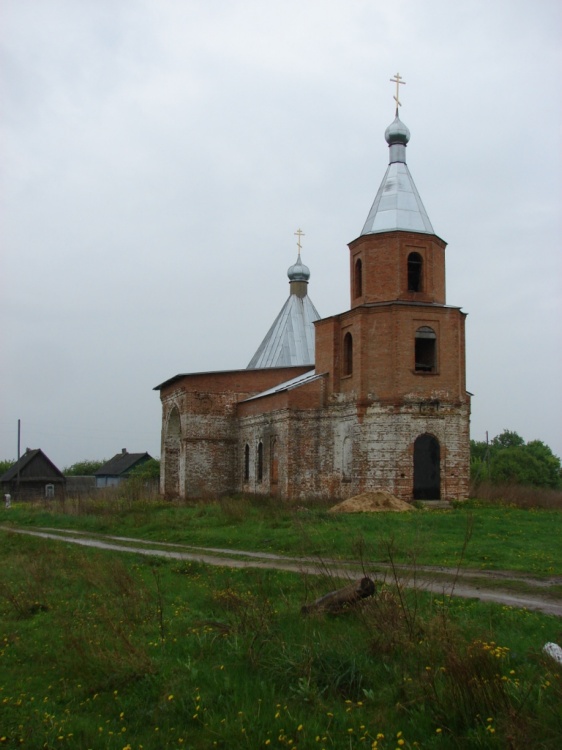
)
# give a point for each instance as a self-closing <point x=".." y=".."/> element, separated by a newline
<point x="425" y="350"/>
<point x="358" y="278"/>
<point x="415" y="265"/>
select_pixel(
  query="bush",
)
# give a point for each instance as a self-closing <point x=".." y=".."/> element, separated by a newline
<point x="509" y="460"/>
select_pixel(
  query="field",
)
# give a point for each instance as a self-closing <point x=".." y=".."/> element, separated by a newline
<point x="107" y="650"/>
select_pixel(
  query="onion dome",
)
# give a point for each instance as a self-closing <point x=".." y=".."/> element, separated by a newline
<point x="298" y="271"/>
<point x="397" y="132"/>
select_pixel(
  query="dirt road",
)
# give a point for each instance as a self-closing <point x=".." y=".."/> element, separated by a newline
<point x="503" y="587"/>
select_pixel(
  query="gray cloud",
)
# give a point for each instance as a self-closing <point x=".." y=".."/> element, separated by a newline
<point x="158" y="156"/>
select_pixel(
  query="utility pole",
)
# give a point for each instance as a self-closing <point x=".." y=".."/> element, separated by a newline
<point x="19" y="443"/>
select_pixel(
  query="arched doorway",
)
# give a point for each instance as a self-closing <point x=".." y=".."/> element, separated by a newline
<point x="172" y="446"/>
<point x="427" y="468"/>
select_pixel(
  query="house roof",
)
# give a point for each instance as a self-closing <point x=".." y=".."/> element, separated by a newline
<point x="121" y="464"/>
<point x="24" y="464"/>
<point x="397" y="204"/>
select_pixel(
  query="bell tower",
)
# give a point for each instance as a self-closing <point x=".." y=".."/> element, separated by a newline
<point x="398" y="353"/>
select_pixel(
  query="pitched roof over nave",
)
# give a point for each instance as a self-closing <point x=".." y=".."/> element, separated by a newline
<point x="290" y="340"/>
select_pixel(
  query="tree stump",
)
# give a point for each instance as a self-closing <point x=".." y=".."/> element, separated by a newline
<point x="338" y="600"/>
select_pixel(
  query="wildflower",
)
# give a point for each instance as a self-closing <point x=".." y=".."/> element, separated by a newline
<point x="438" y="730"/>
<point x="170" y="697"/>
<point x="299" y="728"/>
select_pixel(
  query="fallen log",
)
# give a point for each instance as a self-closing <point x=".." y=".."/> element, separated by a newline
<point x="340" y="599"/>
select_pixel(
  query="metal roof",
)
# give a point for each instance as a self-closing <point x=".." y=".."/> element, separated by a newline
<point x="397" y="204"/>
<point x="288" y="385"/>
<point x="290" y="340"/>
<point x="121" y="464"/>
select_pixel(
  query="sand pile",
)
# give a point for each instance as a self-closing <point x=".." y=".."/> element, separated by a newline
<point x="371" y="502"/>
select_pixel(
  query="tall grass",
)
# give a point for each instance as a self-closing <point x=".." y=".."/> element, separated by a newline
<point x="127" y="652"/>
<point x="522" y="496"/>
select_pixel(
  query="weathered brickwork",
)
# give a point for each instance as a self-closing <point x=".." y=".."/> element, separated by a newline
<point x="381" y="445"/>
<point x="386" y="406"/>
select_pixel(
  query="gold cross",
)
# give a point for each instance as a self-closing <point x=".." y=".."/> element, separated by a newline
<point x="398" y="81"/>
<point x="299" y="233"/>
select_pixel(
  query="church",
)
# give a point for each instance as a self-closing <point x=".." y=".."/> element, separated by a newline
<point x="373" y="398"/>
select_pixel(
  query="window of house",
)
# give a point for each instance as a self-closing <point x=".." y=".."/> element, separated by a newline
<point x="347" y="354"/>
<point x="426" y="350"/>
<point x="358" y="278"/>
<point x="49" y="491"/>
<point x="260" y="462"/>
<point x="246" y="463"/>
<point x="415" y="264"/>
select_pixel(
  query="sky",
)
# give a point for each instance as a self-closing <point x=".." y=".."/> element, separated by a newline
<point x="157" y="157"/>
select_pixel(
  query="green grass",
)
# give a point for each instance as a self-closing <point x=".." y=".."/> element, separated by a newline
<point x="101" y="650"/>
<point x="502" y="537"/>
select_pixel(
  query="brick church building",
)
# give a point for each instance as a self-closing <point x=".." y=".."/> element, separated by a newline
<point x="372" y="398"/>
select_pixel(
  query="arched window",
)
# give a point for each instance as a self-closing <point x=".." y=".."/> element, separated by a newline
<point x="246" y="463"/>
<point x="415" y="265"/>
<point x="273" y="461"/>
<point x="358" y="278"/>
<point x="260" y="462"/>
<point x="347" y="354"/>
<point x="426" y="350"/>
<point x="347" y="459"/>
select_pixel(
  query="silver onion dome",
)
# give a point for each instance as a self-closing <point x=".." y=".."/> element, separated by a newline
<point x="397" y="132"/>
<point x="298" y="271"/>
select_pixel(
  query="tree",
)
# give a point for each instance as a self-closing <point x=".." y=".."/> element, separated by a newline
<point x="508" y="439"/>
<point x="83" y="468"/>
<point x="509" y="459"/>
<point x="5" y="465"/>
<point x="148" y="470"/>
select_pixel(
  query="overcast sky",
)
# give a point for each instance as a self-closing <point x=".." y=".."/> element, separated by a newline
<point x="158" y="156"/>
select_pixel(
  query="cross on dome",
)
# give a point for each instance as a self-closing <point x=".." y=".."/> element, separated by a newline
<point x="299" y="233"/>
<point x="398" y="81"/>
